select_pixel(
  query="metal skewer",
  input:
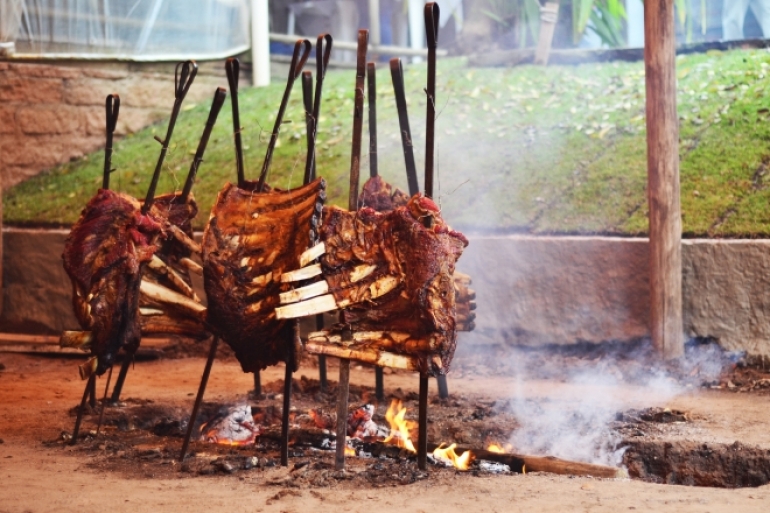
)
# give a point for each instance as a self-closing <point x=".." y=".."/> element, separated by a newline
<point x="232" y="68"/>
<point x="183" y="79"/>
<point x="199" y="397"/>
<point x="301" y="53"/>
<point x="371" y="83"/>
<point x="323" y="52"/>
<point x="104" y="402"/>
<point x="216" y="105"/>
<point x="343" y="387"/>
<point x="397" y="76"/>
<point x="79" y="418"/>
<point x="112" y="108"/>
<point x="431" y="29"/>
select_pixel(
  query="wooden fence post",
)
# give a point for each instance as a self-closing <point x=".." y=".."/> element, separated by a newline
<point x="663" y="179"/>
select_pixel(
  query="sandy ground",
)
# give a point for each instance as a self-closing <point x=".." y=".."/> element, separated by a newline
<point x="36" y="394"/>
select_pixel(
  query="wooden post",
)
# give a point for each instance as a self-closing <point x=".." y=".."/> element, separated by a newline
<point x="663" y="179"/>
<point x="549" y="15"/>
<point x="1" y="247"/>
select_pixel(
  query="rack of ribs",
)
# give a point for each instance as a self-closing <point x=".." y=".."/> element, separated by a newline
<point x="391" y="275"/>
<point x="251" y="239"/>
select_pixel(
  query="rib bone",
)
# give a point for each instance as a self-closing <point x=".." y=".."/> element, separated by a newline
<point x="301" y="274"/>
<point x="192" y="266"/>
<point x="311" y="254"/>
<point x="186" y="241"/>
<point x="164" y="295"/>
<point x="76" y="339"/>
<point x="313" y="306"/>
<point x="302" y="293"/>
<point x="160" y="267"/>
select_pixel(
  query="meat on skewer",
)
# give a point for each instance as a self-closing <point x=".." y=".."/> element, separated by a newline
<point x="391" y="274"/>
<point x="104" y="255"/>
<point x="170" y="268"/>
<point x="381" y="196"/>
<point x="251" y="239"/>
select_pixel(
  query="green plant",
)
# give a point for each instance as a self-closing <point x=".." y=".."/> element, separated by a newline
<point x="603" y="17"/>
<point x="522" y="15"/>
<point x="606" y="19"/>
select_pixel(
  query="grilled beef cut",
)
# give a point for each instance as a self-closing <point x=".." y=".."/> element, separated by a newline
<point x="250" y="240"/>
<point x="393" y="272"/>
<point x="103" y="256"/>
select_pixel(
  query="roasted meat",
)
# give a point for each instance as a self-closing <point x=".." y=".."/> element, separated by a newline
<point x="380" y="195"/>
<point x="391" y="274"/>
<point x="104" y="255"/>
<point x="170" y="268"/>
<point x="250" y="240"/>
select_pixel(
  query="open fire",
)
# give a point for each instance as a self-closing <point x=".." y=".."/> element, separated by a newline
<point x="238" y="426"/>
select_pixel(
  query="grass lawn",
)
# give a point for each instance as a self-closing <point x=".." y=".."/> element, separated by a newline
<point x="528" y="149"/>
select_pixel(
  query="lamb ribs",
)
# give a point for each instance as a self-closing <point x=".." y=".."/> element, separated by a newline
<point x="251" y="239"/>
<point x="391" y="274"/>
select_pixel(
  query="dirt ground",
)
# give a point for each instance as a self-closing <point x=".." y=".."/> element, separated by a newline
<point x="40" y="473"/>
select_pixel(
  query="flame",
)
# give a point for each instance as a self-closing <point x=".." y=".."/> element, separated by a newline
<point x="495" y="447"/>
<point x="448" y="455"/>
<point x="399" y="426"/>
<point x="349" y="451"/>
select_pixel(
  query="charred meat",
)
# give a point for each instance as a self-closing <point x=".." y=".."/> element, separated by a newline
<point x="391" y="274"/>
<point x="170" y="268"/>
<point x="104" y="255"/>
<point x="250" y="240"/>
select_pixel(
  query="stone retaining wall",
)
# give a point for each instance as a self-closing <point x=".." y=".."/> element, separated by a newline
<point x="51" y="113"/>
<point x="530" y="290"/>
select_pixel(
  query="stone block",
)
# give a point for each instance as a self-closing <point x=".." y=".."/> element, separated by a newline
<point x="89" y="91"/>
<point x="49" y="120"/>
<point x="147" y="93"/>
<point x="7" y="119"/>
<point x="35" y="154"/>
<point x="532" y="290"/>
<point x="29" y="89"/>
<point x="116" y="71"/>
<point x="37" y="295"/>
<point x="94" y="122"/>
<point x="726" y="292"/>
<point x="45" y="70"/>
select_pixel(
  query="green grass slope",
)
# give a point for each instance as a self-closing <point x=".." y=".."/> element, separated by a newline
<point x="527" y="149"/>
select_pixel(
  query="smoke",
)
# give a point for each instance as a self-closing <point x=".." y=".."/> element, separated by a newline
<point x="574" y="420"/>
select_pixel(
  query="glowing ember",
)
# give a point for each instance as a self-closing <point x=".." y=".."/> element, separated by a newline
<point x="234" y="426"/>
<point x="399" y="426"/>
<point x="449" y="457"/>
